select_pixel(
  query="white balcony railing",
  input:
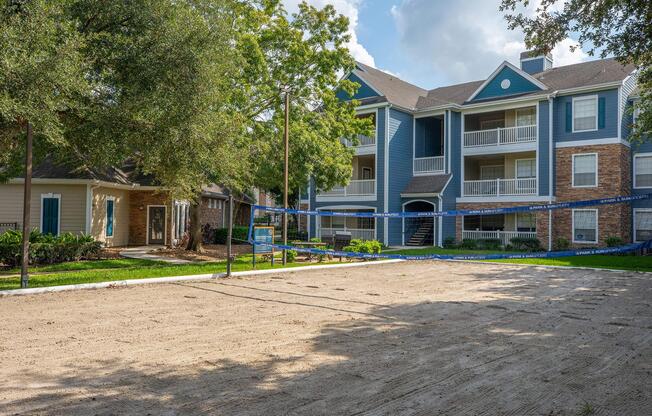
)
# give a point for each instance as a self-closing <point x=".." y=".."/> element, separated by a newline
<point x="357" y="187"/>
<point x="356" y="233"/>
<point x="504" y="236"/>
<point x="428" y="164"/>
<point x="363" y="141"/>
<point x="501" y="187"/>
<point x="500" y="136"/>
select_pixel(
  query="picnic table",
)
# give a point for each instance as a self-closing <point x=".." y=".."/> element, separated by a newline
<point x="309" y="244"/>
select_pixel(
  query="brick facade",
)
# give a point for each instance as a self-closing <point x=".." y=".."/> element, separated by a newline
<point x="614" y="178"/>
<point x="138" y="202"/>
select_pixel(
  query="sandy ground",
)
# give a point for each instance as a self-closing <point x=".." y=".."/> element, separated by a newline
<point x="406" y="338"/>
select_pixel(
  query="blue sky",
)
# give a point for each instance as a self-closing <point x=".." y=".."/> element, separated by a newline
<point x="431" y="43"/>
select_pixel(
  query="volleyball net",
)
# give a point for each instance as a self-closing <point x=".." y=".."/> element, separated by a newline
<point x="498" y="228"/>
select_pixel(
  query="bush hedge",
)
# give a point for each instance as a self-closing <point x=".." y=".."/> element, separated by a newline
<point x="46" y="248"/>
<point x="525" y="244"/>
<point x="364" y="246"/>
<point x="239" y="235"/>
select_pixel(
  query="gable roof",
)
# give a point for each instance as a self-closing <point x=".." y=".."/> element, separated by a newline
<point x="404" y="94"/>
<point x="396" y="90"/>
<point x="527" y="77"/>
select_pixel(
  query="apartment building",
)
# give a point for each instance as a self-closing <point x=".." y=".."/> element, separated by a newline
<point x="527" y="134"/>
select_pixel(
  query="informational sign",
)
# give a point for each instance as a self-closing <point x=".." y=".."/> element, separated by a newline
<point x="263" y="235"/>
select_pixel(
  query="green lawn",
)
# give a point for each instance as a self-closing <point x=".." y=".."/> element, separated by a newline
<point x="86" y="265"/>
<point x="625" y="262"/>
<point x="123" y="269"/>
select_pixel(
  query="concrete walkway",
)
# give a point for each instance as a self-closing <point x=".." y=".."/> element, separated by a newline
<point x="145" y="253"/>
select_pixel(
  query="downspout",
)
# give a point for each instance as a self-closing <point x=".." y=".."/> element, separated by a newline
<point x="550" y="165"/>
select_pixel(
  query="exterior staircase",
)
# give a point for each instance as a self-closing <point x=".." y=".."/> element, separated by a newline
<point x="423" y="236"/>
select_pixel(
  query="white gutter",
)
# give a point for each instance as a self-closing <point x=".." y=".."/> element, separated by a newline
<point x="551" y="96"/>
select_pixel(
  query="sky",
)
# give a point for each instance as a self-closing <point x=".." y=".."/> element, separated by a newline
<point x="432" y="43"/>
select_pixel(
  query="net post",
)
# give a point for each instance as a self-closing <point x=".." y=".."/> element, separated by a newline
<point x="229" y="236"/>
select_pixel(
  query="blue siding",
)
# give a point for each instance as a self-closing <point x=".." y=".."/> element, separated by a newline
<point x="610" y="129"/>
<point x="518" y="85"/>
<point x="400" y="165"/>
<point x="544" y="151"/>
<point x="452" y="191"/>
<point x="364" y="91"/>
<point x="533" y="66"/>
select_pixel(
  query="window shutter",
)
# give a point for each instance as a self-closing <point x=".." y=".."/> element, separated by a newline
<point x="601" y="110"/>
<point x="569" y="117"/>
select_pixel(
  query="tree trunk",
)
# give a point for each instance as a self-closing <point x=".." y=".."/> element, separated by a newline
<point x="195" y="235"/>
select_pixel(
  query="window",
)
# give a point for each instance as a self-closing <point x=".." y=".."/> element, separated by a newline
<point x="50" y="213"/>
<point x="526" y="117"/>
<point x="643" y="171"/>
<point x="491" y="172"/>
<point x="636" y="112"/>
<point x="642" y="224"/>
<point x="526" y="168"/>
<point x="585" y="114"/>
<point x="585" y="170"/>
<point x="367" y="173"/>
<point x="110" y="216"/>
<point x="526" y="222"/>
<point x="585" y="225"/>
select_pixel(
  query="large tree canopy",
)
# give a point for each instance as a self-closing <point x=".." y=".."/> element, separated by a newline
<point x="619" y="28"/>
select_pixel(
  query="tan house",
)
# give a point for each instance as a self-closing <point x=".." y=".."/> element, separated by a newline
<point x="118" y="207"/>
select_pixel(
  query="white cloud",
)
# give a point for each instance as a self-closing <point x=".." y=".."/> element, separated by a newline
<point x="348" y="8"/>
<point x="463" y="40"/>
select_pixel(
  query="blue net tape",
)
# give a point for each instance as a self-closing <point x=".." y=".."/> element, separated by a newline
<point x="488" y="211"/>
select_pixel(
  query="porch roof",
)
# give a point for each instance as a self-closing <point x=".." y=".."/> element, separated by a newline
<point x="428" y="184"/>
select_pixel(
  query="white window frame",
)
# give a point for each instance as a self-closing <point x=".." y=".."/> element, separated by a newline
<point x="597" y="110"/>
<point x="525" y="159"/>
<point x="597" y="226"/>
<point x="637" y="210"/>
<point x="106" y="210"/>
<point x="528" y="109"/>
<point x="634" y="184"/>
<point x="55" y="196"/>
<point x="573" y="170"/>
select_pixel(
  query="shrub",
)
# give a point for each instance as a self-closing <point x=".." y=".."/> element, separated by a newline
<point x="468" y="244"/>
<point x="315" y="240"/>
<point x="490" y="244"/>
<point x="291" y="255"/>
<point x="238" y="236"/>
<point x="364" y="246"/>
<point x="613" y="241"/>
<point x="449" y="242"/>
<point x="47" y="249"/>
<point x="525" y="244"/>
<point x="561" y="244"/>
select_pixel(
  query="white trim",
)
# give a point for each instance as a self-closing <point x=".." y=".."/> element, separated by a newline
<point x="536" y="154"/>
<point x="589" y="88"/>
<point x="89" y="208"/>
<point x="106" y="209"/>
<point x="371" y="106"/>
<point x="447" y="149"/>
<point x="636" y="210"/>
<point x="50" y="195"/>
<point x="620" y="109"/>
<point x="597" y="112"/>
<point x="165" y="224"/>
<point x="430" y="113"/>
<point x="434" y="206"/>
<point x="592" y="142"/>
<point x="634" y="185"/>
<point x="523" y="103"/>
<point x="573" y="170"/>
<point x="421" y="195"/>
<point x="386" y="176"/>
<point x="488" y="199"/>
<point x="335" y="198"/>
<point x="462" y="154"/>
<point x="597" y="227"/>
<point x="519" y="71"/>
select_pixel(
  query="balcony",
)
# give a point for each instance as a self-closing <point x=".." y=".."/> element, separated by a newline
<point x="363" y="141"/>
<point x="501" y="136"/>
<point x="356" y="187"/>
<point x="504" y="236"/>
<point x="433" y="164"/>
<point x="356" y="233"/>
<point x="500" y="187"/>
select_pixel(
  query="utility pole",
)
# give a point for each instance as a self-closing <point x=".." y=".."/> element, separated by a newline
<point x="285" y="173"/>
<point x="229" y="236"/>
<point x="27" y="198"/>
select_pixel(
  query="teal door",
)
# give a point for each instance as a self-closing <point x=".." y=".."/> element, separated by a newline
<point x="50" y="216"/>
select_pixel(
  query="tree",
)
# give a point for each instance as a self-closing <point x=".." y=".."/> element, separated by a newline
<point x="42" y="82"/>
<point x="619" y="28"/>
<point x="305" y="55"/>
